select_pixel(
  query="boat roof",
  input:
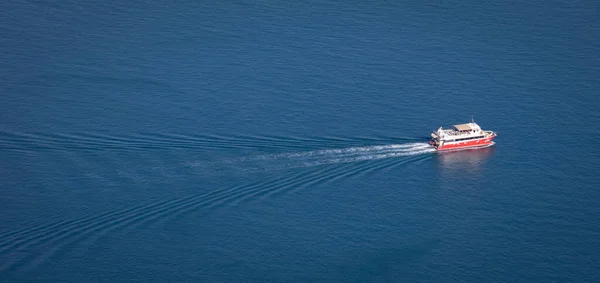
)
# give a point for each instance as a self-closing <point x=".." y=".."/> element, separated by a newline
<point x="467" y="127"/>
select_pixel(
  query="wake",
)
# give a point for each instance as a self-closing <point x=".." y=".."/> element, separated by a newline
<point x="348" y="155"/>
<point x="42" y="244"/>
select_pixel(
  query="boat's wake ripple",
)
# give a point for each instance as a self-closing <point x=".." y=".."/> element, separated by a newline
<point x="25" y="249"/>
<point x="335" y="156"/>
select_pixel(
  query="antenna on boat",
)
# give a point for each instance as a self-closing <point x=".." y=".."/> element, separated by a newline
<point x="472" y="120"/>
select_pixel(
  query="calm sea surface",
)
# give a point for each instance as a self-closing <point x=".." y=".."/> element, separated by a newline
<point x="286" y="141"/>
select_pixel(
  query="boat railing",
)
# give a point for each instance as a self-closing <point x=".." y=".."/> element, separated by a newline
<point x="456" y="133"/>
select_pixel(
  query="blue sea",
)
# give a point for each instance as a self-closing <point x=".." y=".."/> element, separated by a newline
<point x="286" y="141"/>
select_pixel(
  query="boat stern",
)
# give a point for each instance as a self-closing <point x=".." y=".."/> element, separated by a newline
<point x="435" y="142"/>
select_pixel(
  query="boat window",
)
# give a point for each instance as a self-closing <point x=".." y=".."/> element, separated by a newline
<point x="470" y="138"/>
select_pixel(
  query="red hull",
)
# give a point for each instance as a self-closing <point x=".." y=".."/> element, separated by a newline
<point x="483" y="142"/>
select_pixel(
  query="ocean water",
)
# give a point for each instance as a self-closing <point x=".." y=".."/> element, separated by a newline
<point x="276" y="141"/>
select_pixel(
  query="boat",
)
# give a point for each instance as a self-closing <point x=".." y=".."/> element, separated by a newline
<point x="462" y="136"/>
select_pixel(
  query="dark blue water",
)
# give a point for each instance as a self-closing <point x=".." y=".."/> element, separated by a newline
<point x="211" y="141"/>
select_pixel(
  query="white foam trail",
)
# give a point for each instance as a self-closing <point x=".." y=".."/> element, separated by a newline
<point x="346" y="155"/>
<point x="352" y="150"/>
<point x="316" y="157"/>
<point x="383" y="155"/>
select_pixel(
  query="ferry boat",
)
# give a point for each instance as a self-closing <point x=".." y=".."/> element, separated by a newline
<point x="462" y="136"/>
